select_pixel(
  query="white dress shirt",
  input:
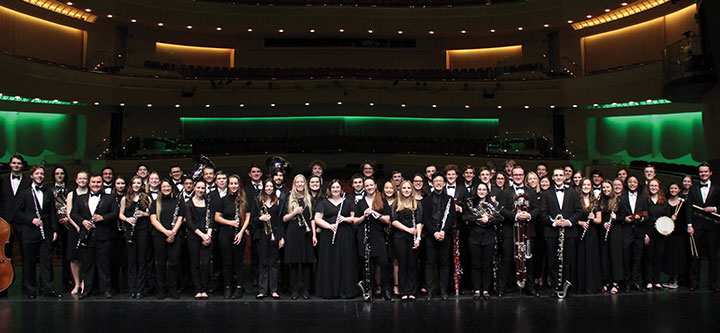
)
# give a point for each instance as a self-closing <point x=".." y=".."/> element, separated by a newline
<point x="93" y="201"/>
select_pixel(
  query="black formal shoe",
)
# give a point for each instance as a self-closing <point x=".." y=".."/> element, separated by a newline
<point x="139" y="296"/>
<point x="82" y="295"/>
<point x="294" y="295"/>
<point x="52" y="294"/>
<point x="387" y="295"/>
<point x="132" y="296"/>
<point x="535" y="293"/>
<point x="108" y="294"/>
<point x="636" y="287"/>
<point x="444" y="296"/>
<point x="486" y="295"/>
<point x="500" y="294"/>
<point x="428" y="296"/>
<point x="227" y="292"/>
<point x="239" y="292"/>
<point x="476" y="295"/>
<point x="161" y="295"/>
<point x="306" y="295"/>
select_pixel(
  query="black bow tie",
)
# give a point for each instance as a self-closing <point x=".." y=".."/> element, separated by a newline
<point x="451" y="186"/>
<point x="16" y="177"/>
<point x="704" y="185"/>
<point x="38" y="188"/>
<point x="562" y="189"/>
<point x="597" y="187"/>
<point x="94" y="194"/>
<point x="520" y="188"/>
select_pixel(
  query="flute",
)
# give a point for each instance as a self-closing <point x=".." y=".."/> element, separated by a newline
<point x="37" y="213"/>
<point x="339" y="214"/>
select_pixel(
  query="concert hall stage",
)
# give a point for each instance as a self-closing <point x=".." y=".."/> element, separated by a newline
<point x="666" y="311"/>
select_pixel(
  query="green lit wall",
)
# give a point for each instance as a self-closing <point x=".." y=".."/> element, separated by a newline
<point x="671" y="138"/>
<point x="337" y="125"/>
<point x="42" y="137"/>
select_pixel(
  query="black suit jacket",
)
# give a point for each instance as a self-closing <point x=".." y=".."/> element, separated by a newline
<point x="432" y="219"/>
<point x="7" y="198"/>
<point x="26" y="212"/>
<point x="508" y="204"/>
<point x="105" y="229"/>
<point x="635" y="227"/>
<point x="695" y="198"/>
<point x="571" y="210"/>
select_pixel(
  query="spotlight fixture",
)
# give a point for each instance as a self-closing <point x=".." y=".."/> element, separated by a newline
<point x="492" y="30"/>
<point x="96" y="103"/>
<point x="281" y="30"/>
<point x="400" y="32"/>
<point x="312" y="31"/>
<point x="607" y="10"/>
<point x="189" y="27"/>
<point x="431" y="32"/>
<point x="75" y="102"/>
<point x="160" y="24"/>
<point x="589" y="16"/>
<point x="527" y="106"/>
<point x="109" y="16"/>
<point x="307" y="104"/>
<point x="574" y="105"/>
<point x="177" y="105"/>
<point x="272" y="105"/>
<point x="122" y="104"/>
<point x="370" y="31"/>
<point x="624" y="4"/>
<point x="499" y="106"/>
<point x="149" y="105"/>
<point x="434" y="106"/>
<point x="402" y="105"/>
<point x="88" y="10"/>
<point x="467" y="106"/>
<point x="372" y="104"/>
<point x="570" y="21"/>
<point x="69" y="3"/>
<point x="218" y="28"/>
<point x="339" y="103"/>
<point x="250" y="30"/>
<point x="463" y="31"/>
<point x="552" y="106"/>
<point x="546" y="25"/>
<point x="207" y="105"/>
<point x="133" y="20"/>
<point x="520" y="28"/>
<point x="341" y="30"/>
<point x="242" y="105"/>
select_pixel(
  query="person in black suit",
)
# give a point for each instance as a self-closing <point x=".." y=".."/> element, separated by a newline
<point x="35" y="214"/>
<point x="555" y="202"/>
<point x="278" y="178"/>
<point x="707" y="196"/>
<point x="59" y="189"/>
<point x="252" y="191"/>
<point x="633" y="214"/>
<point x="97" y="212"/>
<point x="10" y="186"/>
<point x="317" y="168"/>
<point x="511" y="216"/>
<point x="494" y="193"/>
<point x="438" y="219"/>
<point x="470" y="181"/>
<point x="481" y="240"/>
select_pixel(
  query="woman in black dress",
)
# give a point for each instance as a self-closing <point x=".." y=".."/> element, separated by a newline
<point x="269" y="236"/>
<point x="337" y="274"/>
<point x="676" y="252"/>
<point x="588" y="257"/>
<point x="420" y="190"/>
<point x="73" y="254"/>
<point x="200" y="225"/>
<point x="296" y="217"/>
<point x="233" y="217"/>
<point x="315" y="189"/>
<point x="373" y="217"/>
<point x="389" y="193"/>
<point x="654" y="251"/>
<point x="166" y="216"/>
<point x="610" y="238"/>
<point x="407" y="220"/>
<point x="134" y="213"/>
<point x="482" y="239"/>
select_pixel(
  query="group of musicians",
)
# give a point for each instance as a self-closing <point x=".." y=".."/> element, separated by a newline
<point x="436" y="233"/>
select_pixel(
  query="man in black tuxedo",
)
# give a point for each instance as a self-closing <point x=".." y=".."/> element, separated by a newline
<point x="98" y="213"/>
<point x="633" y="214"/>
<point x="438" y="218"/>
<point x="252" y="191"/>
<point x="10" y="186"/>
<point x="507" y="266"/>
<point x="555" y="202"/>
<point x="278" y="178"/>
<point x="707" y="196"/>
<point x="495" y="193"/>
<point x="35" y="214"/>
<point x="108" y="177"/>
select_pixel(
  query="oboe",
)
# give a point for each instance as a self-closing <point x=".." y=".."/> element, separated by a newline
<point x="37" y="213"/>
<point x="136" y="215"/>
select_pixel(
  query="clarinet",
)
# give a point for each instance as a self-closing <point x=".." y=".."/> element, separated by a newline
<point x="175" y="215"/>
<point x="132" y="226"/>
<point x="562" y="284"/>
<point x="613" y="210"/>
<point x="338" y="214"/>
<point x="592" y="211"/>
<point x="37" y="213"/>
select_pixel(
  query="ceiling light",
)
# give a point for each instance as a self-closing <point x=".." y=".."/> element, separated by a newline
<point x="122" y="104"/>
<point x="589" y="16"/>
<point x="307" y="104"/>
<point x="88" y="10"/>
<point x="249" y="29"/>
<point x="499" y="106"/>
<point x="339" y="103"/>
<point x="431" y="32"/>
<point x="161" y="24"/>
<point x="149" y="105"/>
<point x="372" y="104"/>
<point x="467" y="106"/>
<point x="272" y="105"/>
<point x="281" y="30"/>
<point x="370" y="31"/>
<point x="69" y="3"/>
<point x="492" y="30"/>
<point x="242" y="105"/>
<point x="546" y="25"/>
<point x="624" y="4"/>
<point x="520" y="28"/>
<point x="97" y="103"/>
<point x="402" y="105"/>
<point x="189" y="27"/>
<point x="570" y="21"/>
<point x="133" y="20"/>
<point x="177" y="105"/>
<point x="218" y="28"/>
<point x="574" y="105"/>
<point x="607" y="10"/>
<point x="463" y="31"/>
<point x="400" y="32"/>
<point x="207" y="105"/>
<point x="109" y="16"/>
<point x="312" y="31"/>
<point x="341" y="30"/>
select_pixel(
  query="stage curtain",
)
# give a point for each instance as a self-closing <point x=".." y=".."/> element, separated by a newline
<point x="29" y="36"/>
<point x="39" y="136"/>
<point x="194" y="55"/>
<point x="485" y="57"/>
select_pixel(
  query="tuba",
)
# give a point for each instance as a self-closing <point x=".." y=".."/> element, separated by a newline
<point x="203" y="162"/>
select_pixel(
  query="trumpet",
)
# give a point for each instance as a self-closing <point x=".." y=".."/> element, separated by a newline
<point x="302" y="222"/>
<point x="267" y="226"/>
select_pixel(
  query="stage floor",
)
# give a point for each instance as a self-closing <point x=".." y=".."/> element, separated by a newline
<point x="666" y="311"/>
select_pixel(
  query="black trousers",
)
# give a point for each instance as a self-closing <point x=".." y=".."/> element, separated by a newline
<point x="119" y="263"/>
<point x="706" y="244"/>
<point x="632" y="258"/>
<point x="96" y="257"/>
<point x="306" y="275"/>
<point x="438" y="263"/>
<point x="199" y="263"/>
<point x="33" y="252"/>
<point x="482" y="261"/>
<point x="507" y="265"/>
<point x="655" y="257"/>
<point x="407" y="263"/>
<point x="137" y="252"/>
<point x="267" y="265"/>
<point x="232" y="257"/>
<point x="569" y="258"/>
<point x="254" y="259"/>
<point x="167" y="261"/>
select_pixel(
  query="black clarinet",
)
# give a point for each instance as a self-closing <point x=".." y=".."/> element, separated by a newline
<point x="365" y="285"/>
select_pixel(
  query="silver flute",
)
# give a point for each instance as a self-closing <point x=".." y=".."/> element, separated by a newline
<point x="338" y="214"/>
<point x="37" y="213"/>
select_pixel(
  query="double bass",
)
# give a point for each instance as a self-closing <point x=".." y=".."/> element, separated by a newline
<point x="6" y="268"/>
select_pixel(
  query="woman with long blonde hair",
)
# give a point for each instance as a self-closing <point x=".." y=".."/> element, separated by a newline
<point x="297" y="216"/>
